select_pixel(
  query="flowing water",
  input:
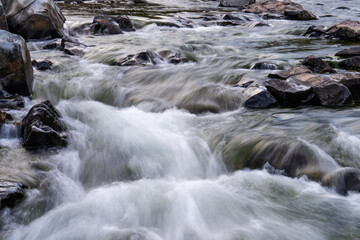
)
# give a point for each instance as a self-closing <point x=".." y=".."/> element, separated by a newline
<point x="141" y="165"/>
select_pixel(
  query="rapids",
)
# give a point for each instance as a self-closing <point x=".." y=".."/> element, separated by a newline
<point x="144" y="161"/>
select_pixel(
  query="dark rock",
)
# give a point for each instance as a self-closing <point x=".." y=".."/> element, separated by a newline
<point x="349" y="52"/>
<point x="265" y="66"/>
<point x="235" y="3"/>
<point x="125" y="23"/>
<point x="285" y="74"/>
<point x="289" y="94"/>
<point x="245" y="82"/>
<point x="42" y="127"/>
<point x="102" y="24"/>
<point x="351" y="81"/>
<point x="343" y="180"/>
<point x="43" y="65"/>
<point x="34" y="19"/>
<point x="11" y="193"/>
<point x="301" y="15"/>
<point x="343" y="8"/>
<point x="317" y="65"/>
<point x="150" y="57"/>
<point x="16" y="73"/>
<point x="3" y="21"/>
<point x="328" y="93"/>
<point x="73" y="1"/>
<point x="259" y="98"/>
<point x="316" y="31"/>
<point x="10" y="101"/>
<point x="283" y="9"/>
<point x="352" y="63"/>
<point x="68" y="47"/>
<point x="172" y="57"/>
<point x="4" y="117"/>
<point x="346" y="30"/>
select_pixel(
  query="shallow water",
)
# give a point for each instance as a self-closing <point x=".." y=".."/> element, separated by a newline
<point x="141" y="164"/>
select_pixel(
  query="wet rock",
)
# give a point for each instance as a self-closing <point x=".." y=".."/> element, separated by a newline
<point x="315" y="31"/>
<point x="283" y="9"/>
<point x="34" y="19"/>
<point x="3" y="21"/>
<point x="343" y="180"/>
<point x="102" y="24"/>
<point x="346" y="30"/>
<point x="4" y="117"/>
<point x="258" y="98"/>
<point x="351" y="81"/>
<point x="150" y="57"/>
<point x="317" y="65"/>
<point x="285" y="74"/>
<point x="172" y="57"/>
<point x="16" y="73"/>
<point x="235" y="3"/>
<point x="352" y="63"/>
<point x="125" y="23"/>
<point x="68" y="47"/>
<point x="73" y="1"/>
<point x="211" y="98"/>
<point x="11" y="193"/>
<point x="42" y="65"/>
<point x="328" y="93"/>
<point x="42" y="127"/>
<point x="289" y="94"/>
<point x="10" y="101"/>
<point x="349" y="52"/>
<point x="265" y="66"/>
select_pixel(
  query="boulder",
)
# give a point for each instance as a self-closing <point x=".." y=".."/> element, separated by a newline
<point x="351" y="81"/>
<point x="285" y="74"/>
<point x="16" y="73"/>
<point x="10" y="101"/>
<point x="289" y="94"/>
<point x="11" y="193"/>
<point x="35" y="19"/>
<point x="258" y="98"/>
<point x="317" y="65"/>
<point x="346" y="30"/>
<point x="352" y="63"/>
<point x="328" y="93"/>
<point x="3" y="21"/>
<point x="235" y="3"/>
<point x="102" y="24"/>
<point x="282" y="9"/>
<point x="343" y="180"/>
<point x="42" y="127"/>
<point x="125" y="23"/>
<point x="349" y="52"/>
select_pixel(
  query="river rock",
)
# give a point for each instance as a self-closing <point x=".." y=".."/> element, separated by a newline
<point x="16" y="73"/>
<point x="150" y="57"/>
<point x="3" y="21"/>
<point x="285" y="74"/>
<point x="289" y="94"/>
<point x="235" y="3"/>
<point x="172" y="57"/>
<point x="35" y="19"/>
<point x="346" y="30"/>
<point x="42" y="65"/>
<point x="349" y="52"/>
<point x="42" y="127"/>
<point x="258" y="98"/>
<point x="4" y="117"/>
<point x="343" y="180"/>
<point x="351" y="81"/>
<point x="102" y="24"/>
<point x="265" y="66"/>
<point x="283" y="9"/>
<point x="10" y="101"/>
<point x="352" y="63"/>
<point x="11" y="193"/>
<point x="317" y="65"/>
<point x="328" y="93"/>
<point x="125" y="23"/>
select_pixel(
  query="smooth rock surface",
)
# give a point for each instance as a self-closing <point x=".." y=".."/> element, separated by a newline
<point x="236" y="3"/>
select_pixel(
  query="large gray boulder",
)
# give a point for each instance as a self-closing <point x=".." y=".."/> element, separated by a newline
<point x="16" y="72"/>
<point x="236" y="3"/>
<point x="34" y="19"/>
<point x="3" y="21"/>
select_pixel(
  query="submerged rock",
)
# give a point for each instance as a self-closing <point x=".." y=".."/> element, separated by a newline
<point x="10" y="101"/>
<point x="68" y="47"/>
<point x="285" y="74"/>
<point x="42" y="65"/>
<point x="16" y="73"/>
<point x="11" y="193"/>
<point x="258" y="98"/>
<point x="317" y="65"/>
<point x="349" y="52"/>
<point x="235" y="3"/>
<point x="42" y="127"/>
<point x="265" y="66"/>
<point x="3" y="21"/>
<point x="282" y="9"/>
<point x="35" y="19"/>
<point x="343" y="180"/>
